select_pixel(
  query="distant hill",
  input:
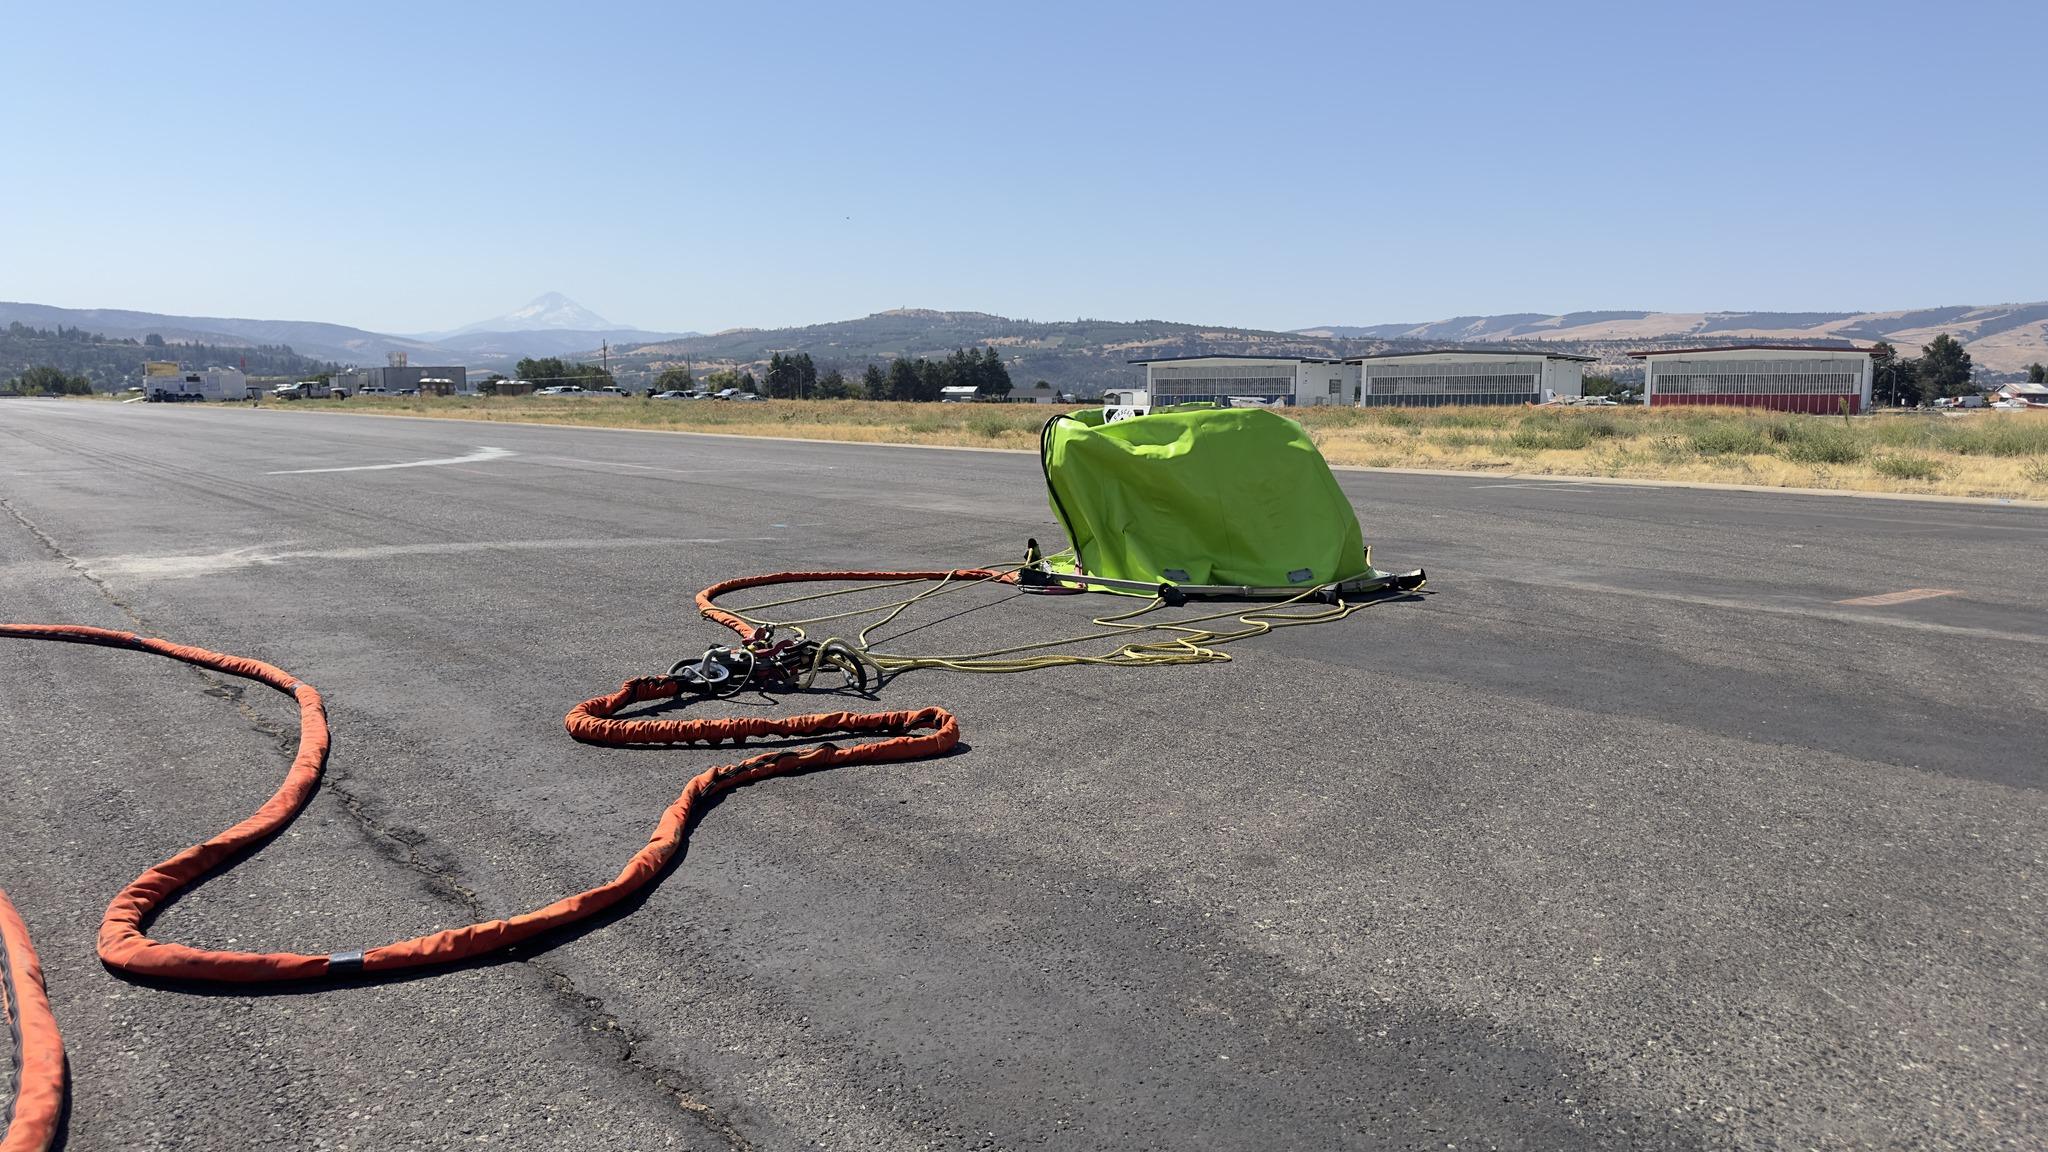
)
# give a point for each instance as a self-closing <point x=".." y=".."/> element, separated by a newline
<point x="308" y="338"/>
<point x="114" y="362"/>
<point x="1076" y="355"/>
<point x="481" y="349"/>
<point x="2002" y="339"/>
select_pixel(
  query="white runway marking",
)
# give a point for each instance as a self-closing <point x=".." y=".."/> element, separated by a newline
<point x="726" y="471"/>
<point x="174" y="567"/>
<point x="1742" y="605"/>
<point x="476" y="457"/>
<point x="1905" y="597"/>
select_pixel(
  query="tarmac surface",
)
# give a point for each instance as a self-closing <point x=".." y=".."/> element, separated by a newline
<point x="1636" y="831"/>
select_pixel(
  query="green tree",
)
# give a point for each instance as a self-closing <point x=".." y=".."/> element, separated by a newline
<point x="552" y="370"/>
<point x="675" y="379"/>
<point x="781" y="380"/>
<point x="1944" y="368"/>
<point x="873" y="384"/>
<point x="791" y="376"/>
<point x="1884" y="369"/>
<point x="904" y="379"/>
<point x="1898" y="377"/>
<point x="833" y="385"/>
<point x="994" y="379"/>
<point x="43" y="380"/>
<point x="543" y="372"/>
<point x="2037" y="373"/>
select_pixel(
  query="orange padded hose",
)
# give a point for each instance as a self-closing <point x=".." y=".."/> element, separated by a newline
<point x="125" y="946"/>
<point x="29" y="1124"/>
<point x="706" y="599"/>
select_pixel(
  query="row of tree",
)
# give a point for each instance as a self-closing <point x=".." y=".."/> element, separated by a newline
<point x="43" y="380"/>
<point x="795" y="376"/>
<point x="111" y="363"/>
<point x="548" y="371"/>
<point x="1941" y="370"/>
<point x="927" y="380"/>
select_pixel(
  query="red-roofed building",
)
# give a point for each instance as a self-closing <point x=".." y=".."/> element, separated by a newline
<point x="1782" y="377"/>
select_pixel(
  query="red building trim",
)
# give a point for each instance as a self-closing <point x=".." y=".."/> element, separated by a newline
<point x="1817" y="404"/>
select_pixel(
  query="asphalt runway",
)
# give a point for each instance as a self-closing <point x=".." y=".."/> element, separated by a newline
<point x="1637" y="831"/>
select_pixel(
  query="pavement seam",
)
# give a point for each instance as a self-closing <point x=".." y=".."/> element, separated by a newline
<point x="441" y="880"/>
<point x="402" y="846"/>
<point x="56" y="550"/>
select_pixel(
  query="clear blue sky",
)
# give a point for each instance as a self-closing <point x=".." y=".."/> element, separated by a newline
<point x="416" y="166"/>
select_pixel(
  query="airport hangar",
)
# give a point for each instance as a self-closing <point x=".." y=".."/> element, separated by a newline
<point x="1411" y="379"/>
<point x="1783" y="377"/>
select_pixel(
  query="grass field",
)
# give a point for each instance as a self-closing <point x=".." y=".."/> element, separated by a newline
<point x="1981" y="453"/>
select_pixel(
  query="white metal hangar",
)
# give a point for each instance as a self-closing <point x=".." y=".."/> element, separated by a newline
<point x="1271" y="379"/>
<point x="1468" y="376"/>
<point x="1784" y="377"/>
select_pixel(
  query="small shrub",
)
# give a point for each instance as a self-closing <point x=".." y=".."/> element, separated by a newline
<point x="1672" y="449"/>
<point x="1903" y="432"/>
<point x="1731" y="440"/>
<point x="1551" y="434"/>
<point x="1472" y="416"/>
<point x="1334" y="416"/>
<point x="2036" y="470"/>
<point x="1995" y="434"/>
<point x="1457" y="438"/>
<point x="987" y="425"/>
<point x="1819" y="441"/>
<point x="1396" y="418"/>
<point x="1900" y="466"/>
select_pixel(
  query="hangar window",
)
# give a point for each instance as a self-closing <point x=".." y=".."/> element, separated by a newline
<point x="1759" y="378"/>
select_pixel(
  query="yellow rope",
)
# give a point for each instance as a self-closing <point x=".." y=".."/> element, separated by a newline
<point x="1193" y="645"/>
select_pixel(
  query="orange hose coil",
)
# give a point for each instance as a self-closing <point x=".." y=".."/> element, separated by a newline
<point x="125" y="946"/>
<point x="25" y="1011"/>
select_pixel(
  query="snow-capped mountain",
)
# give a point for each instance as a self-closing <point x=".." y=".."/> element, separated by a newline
<point x="548" y="311"/>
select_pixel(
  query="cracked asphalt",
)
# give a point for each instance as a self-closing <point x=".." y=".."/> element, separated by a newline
<point x="1630" y="834"/>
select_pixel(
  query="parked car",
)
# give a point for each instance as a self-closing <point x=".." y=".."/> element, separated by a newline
<point x="610" y="390"/>
<point x="725" y="393"/>
<point x="675" y="394"/>
<point x="745" y="396"/>
<point x="561" y="390"/>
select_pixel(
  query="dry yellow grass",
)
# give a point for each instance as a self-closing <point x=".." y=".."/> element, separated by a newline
<point x="1984" y="453"/>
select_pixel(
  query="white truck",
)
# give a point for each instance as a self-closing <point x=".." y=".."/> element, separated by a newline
<point x="306" y="390"/>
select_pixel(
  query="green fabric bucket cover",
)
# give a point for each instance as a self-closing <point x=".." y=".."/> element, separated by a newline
<point x="1200" y="495"/>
